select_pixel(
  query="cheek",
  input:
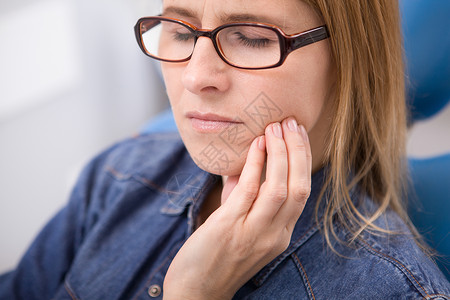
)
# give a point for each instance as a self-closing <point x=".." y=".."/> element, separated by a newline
<point x="174" y="88"/>
<point x="303" y="86"/>
<point x="284" y="96"/>
<point x="172" y="80"/>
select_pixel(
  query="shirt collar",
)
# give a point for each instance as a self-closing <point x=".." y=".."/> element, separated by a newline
<point x="190" y="185"/>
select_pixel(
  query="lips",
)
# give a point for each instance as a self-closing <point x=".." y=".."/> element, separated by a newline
<point x="209" y="122"/>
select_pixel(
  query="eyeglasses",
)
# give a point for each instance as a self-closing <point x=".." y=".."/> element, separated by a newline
<point x="241" y="45"/>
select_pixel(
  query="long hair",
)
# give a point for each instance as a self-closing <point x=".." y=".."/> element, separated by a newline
<point x="368" y="131"/>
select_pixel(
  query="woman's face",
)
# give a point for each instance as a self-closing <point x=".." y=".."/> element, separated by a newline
<point x="220" y="109"/>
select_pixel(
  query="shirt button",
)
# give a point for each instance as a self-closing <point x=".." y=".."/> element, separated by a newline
<point x="154" y="291"/>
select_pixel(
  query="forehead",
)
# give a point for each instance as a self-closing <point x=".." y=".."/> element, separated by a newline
<point x="290" y="15"/>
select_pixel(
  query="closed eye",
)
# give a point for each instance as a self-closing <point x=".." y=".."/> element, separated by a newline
<point x="254" y="43"/>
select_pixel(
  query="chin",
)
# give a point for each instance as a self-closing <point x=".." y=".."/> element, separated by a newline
<point x="216" y="157"/>
<point x="220" y="167"/>
<point x="232" y="171"/>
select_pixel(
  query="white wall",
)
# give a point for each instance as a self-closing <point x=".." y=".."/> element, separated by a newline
<point x="73" y="81"/>
<point x="431" y="137"/>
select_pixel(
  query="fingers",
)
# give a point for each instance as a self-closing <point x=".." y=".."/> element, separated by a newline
<point x="282" y="197"/>
<point x="228" y="187"/>
<point x="243" y="194"/>
<point x="299" y="173"/>
<point x="274" y="190"/>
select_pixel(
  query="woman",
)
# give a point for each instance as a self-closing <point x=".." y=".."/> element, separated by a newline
<point x="287" y="180"/>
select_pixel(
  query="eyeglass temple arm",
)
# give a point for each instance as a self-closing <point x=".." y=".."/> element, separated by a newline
<point x="306" y="38"/>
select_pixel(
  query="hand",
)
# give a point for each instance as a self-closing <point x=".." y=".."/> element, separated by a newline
<point x="253" y="225"/>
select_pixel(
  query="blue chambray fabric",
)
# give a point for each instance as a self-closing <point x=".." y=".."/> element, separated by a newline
<point x="133" y="208"/>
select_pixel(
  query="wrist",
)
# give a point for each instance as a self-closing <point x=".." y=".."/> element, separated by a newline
<point x="176" y="290"/>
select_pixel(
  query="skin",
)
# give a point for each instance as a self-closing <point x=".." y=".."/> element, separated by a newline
<point x="206" y="84"/>
<point x="249" y="221"/>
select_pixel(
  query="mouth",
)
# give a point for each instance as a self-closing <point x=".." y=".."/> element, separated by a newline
<point x="209" y="122"/>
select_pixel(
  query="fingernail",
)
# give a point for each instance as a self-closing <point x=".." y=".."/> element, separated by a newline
<point x="276" y="128"/>
<point x="292" y="125"/>
<point x="304" y="133"/>
<point x="262" y="143"/>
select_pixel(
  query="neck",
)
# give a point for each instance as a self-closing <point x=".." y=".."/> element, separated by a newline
<point x="210" y="204"/>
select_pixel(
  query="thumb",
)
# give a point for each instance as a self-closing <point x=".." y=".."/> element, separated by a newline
<point x="228" y="187"/>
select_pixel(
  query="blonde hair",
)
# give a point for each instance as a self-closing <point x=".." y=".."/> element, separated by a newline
<point x="368" y="132"/>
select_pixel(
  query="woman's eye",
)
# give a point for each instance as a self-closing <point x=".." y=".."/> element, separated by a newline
<point x="182" y="37"/>
<point x="252" y="42"/>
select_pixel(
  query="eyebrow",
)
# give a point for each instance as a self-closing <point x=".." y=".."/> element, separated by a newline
<point x="183" y="12"/>
<point x="248" y="18"/>
<point x="227" y="18"/>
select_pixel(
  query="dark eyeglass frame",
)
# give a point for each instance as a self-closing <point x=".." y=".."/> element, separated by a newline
<point x="288" y="43"/>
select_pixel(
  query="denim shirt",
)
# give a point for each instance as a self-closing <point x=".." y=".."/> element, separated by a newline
<point x="133" y="208"/>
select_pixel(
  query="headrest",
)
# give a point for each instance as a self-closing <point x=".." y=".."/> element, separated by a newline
<point x="426" y="31"/>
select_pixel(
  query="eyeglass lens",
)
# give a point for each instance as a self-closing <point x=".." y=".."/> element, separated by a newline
<point x="242" y="45"/>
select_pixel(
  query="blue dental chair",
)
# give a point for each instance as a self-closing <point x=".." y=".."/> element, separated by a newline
<point x="426" y="26"/>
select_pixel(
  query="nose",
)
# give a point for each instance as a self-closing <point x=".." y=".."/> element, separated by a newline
<point x="205" y="71"/>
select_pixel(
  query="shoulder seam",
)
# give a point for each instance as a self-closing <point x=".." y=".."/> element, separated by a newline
<point x="70" y="291"/>
<point x="400" y="266"/>
<point x="304" y="275"/>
